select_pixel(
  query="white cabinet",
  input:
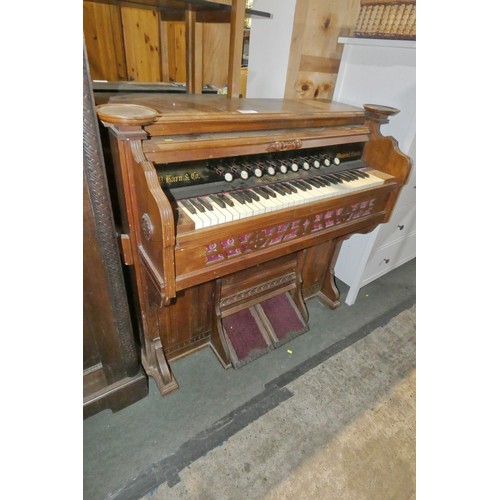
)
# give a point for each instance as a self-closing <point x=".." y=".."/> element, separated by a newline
<point x="381" y="72"/>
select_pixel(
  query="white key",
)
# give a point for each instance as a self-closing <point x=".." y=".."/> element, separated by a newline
<point x="257" y="206"/>
<point x="295" y="197"/>
<point x="209" y="213"/>
<point x="198" y="222"/>
<point x="202" y="214"/>
<point x="332" y="189"/>
<point x="274" y="202"/>
<point x="266" y="203"/>
<point x="223" y="214"/>
<point x="300" y="196"/>
<point x="283" y="200"/>
<point x="242" y="208"/>
<point x="318" y="193"/>
<point x="362" y="183"/>
<point x="232" y="209"/>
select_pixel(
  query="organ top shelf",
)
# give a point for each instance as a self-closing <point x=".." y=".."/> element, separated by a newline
<point x="179" y="114"/>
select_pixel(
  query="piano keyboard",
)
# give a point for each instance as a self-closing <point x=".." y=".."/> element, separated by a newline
<point x="219" y="208"/>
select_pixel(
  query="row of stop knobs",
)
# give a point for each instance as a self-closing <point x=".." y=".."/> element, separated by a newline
<point x="243" y="170"/>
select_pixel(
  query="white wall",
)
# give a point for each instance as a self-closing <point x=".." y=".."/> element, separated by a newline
<point x="269" y="49"/>
<point x="381" y="72"/>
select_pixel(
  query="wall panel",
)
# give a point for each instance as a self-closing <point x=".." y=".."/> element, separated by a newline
<point x="141" y="34"/>
<point x="104" y="41"/>
<point x="314" y="53"/>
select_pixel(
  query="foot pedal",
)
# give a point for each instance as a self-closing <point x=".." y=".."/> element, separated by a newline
<point x="246" y="336"/>
<point x="281" y="318"/>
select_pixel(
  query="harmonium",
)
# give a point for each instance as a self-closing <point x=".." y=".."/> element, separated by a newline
<point x="233" y="211"/>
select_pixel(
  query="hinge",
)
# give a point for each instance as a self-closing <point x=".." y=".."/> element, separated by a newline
<point x="126" y="249"/>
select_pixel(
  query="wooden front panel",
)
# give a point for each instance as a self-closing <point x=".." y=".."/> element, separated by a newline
<point x="248" y="287"/>
<point x="317" y="265"/>
<point x="186" y="323"/>
<point x="209" y="253"/>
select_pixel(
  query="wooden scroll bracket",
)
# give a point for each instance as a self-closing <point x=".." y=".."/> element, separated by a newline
<point x="383" y="153"/>
<point x="149" y="244"/>
<point x="155" y="365"/>
<point x="152" y="226"/>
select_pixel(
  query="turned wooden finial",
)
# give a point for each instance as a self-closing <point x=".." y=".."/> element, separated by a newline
<point x="379" y="113"/>
<point x="126" y="114"/>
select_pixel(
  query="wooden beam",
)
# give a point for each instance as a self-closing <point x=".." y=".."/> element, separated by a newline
<point x="194" y="53"/>
<point x="318" y="64"/>
<point x="235" y="47"/>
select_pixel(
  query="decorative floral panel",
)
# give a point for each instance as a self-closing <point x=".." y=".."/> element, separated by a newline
<point x="284" y="232"/>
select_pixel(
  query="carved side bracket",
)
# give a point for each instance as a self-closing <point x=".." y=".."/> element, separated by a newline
<point x="156" y="366"/>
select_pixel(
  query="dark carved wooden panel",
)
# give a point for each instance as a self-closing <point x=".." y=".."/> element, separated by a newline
<point x="112" y="374"/>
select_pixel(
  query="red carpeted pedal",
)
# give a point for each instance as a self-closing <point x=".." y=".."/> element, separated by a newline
<point x="246" y="337"/>
<point x="282" y="318"/>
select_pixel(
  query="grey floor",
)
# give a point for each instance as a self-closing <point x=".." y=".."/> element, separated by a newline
<point x="127" y="453"/>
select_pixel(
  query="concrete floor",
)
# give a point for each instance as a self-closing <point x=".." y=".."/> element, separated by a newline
<point x="124" y="451"/>
<point x="346" y="431"/>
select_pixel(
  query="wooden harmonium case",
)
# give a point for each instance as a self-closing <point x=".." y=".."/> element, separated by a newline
<point x="235" y="210"/>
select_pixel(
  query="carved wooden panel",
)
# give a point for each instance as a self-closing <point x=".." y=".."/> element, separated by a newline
<point x="112" y="376"/>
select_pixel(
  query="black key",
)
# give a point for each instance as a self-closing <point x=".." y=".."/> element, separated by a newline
<point x="333" y="179"/>
<point x="339" y="178"/>
<point x="261" y="192"/>
<point x="321" y="181"/>
<point x="187" y="204"/>
<point x="218" y="200"/>
<point x="350" y="175"/>
<point x="285" y="188"/>
<point x="206" y="204"/>
<point x="245" y="195"/>
<point x="305" y="184"/>
<point x="363" y="174"/>
<point x="277" y="189"/>
<point x="313" y="182"/>
<point x="346" y="175"/>
<point x="253" y="196"/>
<point x="290" y="186"/>
<point x="298" y="185"/>
<point x="197" y="205"/>
<point x="270" y="192"/>
<point x="237" y="196"/>
<point x="225" y="199"/>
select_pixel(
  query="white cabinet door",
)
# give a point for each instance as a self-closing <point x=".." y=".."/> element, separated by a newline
<point x="381" y="72"/>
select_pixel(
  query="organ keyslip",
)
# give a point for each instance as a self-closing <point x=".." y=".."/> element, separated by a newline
<point x="233" y="212"/>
